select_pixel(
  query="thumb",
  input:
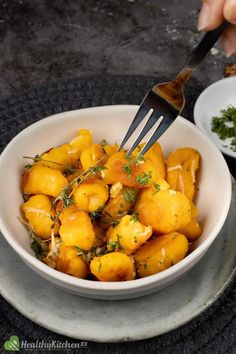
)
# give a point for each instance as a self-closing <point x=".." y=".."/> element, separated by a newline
<point x="230" y="11"/>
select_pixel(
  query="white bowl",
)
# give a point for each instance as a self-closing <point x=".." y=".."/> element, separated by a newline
<point x="211" y="101"/>
<point x="111" y="122"/>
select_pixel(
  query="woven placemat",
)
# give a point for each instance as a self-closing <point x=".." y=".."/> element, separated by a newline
<point x="211" y="332"/>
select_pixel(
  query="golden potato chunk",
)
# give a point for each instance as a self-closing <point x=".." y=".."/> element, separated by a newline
<point x="43" y="180"/>
<point x="128" y="235"/>
<point x="160" y="253"/>
<point x="76" y="228"/>
<point x="118" y="206"/>
<point x="165" y="211"/>
<point x="91" y="195"/>
<point x="38" y="211"/>
<point x="114" y="266"/>
<point x="110" y="149"/>
<point x="70" y="263"/>
<point x="61" y="157"/>
<point x="155" y="155"/>
<point x="181" y="170"/>
<point x="128" y="171"/>
<point x="82" y="141"/>
<point x="193" y="229"/>
<point x="91" y="156"/>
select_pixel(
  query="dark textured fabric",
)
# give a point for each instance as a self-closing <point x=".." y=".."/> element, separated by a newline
<point x="211" y="332"/>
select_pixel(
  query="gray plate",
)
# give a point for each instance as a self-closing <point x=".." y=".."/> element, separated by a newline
<point x="112" y="321"/>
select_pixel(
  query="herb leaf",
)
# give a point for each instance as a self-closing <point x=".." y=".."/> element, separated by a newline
<point x="36" y="247"/>
<point x="157" y="187"/>
<point x="144" y="178"/>
<point x="135" y="216"/>
<point x="129" y="195"/>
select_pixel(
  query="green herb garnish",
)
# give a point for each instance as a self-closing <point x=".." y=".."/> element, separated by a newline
<point x="157" y="187"/>
<point x="139" y="159"/>
<point x="225" y="125"/>
<point x="144" y="178"/>
<point x="103" y="142"/>
<point x="130" y="195"/>
<point x="135" y="216"/>
<point x="36" y="247"/>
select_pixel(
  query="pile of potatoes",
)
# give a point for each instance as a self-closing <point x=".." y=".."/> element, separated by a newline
<point x="131" y="217"/>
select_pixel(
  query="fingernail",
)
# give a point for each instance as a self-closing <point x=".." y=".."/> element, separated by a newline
<point x="228" y="46"/>
<point x="205" y="13"/>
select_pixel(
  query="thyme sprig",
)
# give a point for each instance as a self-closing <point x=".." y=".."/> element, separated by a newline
<point x="69" y="170"/>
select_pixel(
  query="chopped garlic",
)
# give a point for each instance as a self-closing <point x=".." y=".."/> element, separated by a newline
<point x="115" y="189"/>
<point x="172" y="192"/>
<point x="176" y="167"/>
<point x="40" y="211"/>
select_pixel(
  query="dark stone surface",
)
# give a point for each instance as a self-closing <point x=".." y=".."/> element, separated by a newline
<point x="43" y="40"/>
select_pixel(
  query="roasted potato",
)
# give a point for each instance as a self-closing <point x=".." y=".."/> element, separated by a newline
<point x="91" y="156"/>
<point x="129" y="171"/>
<point x="118" y="206"/>
<point x="76" y="228"/>
<point x="114" y="266"/>
<point x="160" y="253"/>
<point x="82" y="141"/>
<point x="43" y="180"/>
<point x="165" y="211"/>
<point x="70" y="263"/>
<point x="193" y="229"/>
<point x="39" y="213"/>
<point x="128" y="235"/>
<point x="155" y="155"/>
<point x="181" y="170"/>
<point x="91" y="195"/>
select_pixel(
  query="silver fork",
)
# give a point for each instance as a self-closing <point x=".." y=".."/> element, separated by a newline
<point x="166" y="100"/>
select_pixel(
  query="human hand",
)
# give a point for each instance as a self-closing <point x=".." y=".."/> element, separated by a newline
<point x="213" y="13"/>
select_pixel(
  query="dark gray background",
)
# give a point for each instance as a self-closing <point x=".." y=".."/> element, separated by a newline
<point x="43" y="40"/>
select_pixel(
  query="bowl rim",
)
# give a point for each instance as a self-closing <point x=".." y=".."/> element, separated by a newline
<point x="197" y="111"/>
<point x="135" y="284"/>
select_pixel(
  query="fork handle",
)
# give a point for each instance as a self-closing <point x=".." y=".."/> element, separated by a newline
<point x="203" y="48"/>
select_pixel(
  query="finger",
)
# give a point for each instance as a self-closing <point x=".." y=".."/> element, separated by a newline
<point x="228" y="41"/>
<point x="211" y="14"/>
<point x="230" y="11"/>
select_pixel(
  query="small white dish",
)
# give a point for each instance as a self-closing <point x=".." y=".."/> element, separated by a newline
<point x="111" y="122"/>
<point x="211" y="101"/>
<point x="127" y="320"/>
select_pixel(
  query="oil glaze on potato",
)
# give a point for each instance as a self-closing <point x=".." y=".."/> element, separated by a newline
<point x="160" y="253"/>
<point x="43" y="180"/>
<point x="91" y="195"/>
<point x="182" y="165"/>
<point x="128" y="235"/>
<point x="114" y="266"/>
<point x="165" y="210"/>
<point x="76" y="228"/>
<point x="38" y="211"/>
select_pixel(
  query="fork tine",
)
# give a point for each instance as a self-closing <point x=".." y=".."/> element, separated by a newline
<point x="151" y="121"/>
<point x="142" y="112"/>
<point x="163" y="125"/>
